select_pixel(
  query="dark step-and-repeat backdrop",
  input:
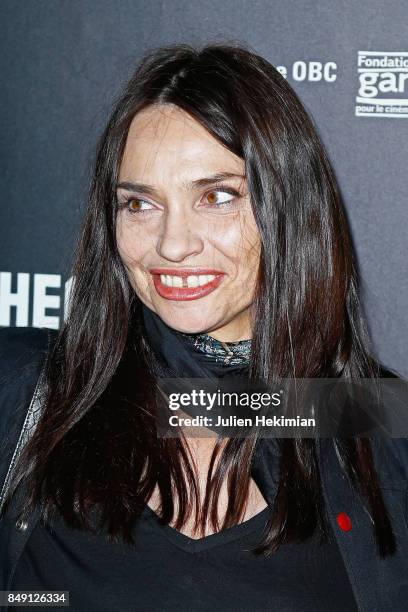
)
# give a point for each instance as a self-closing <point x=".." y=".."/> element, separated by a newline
<point x="63" y="62"/>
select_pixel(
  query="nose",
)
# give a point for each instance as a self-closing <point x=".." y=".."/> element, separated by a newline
<point x="179" y="238"/>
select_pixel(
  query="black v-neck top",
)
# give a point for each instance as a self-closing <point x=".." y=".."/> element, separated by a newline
<point x="168" y="571"/>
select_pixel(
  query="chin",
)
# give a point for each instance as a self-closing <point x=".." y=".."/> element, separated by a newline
<point x="187" y="325"/>
<point x="196" y="328"/>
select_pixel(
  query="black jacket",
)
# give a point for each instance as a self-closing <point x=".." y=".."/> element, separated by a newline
<point x="379" y="585"/>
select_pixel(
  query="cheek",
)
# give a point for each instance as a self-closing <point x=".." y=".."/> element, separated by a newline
<point x="132" y="252"/>
<point x="131" y="247"/>
<point x="241" y="244"/>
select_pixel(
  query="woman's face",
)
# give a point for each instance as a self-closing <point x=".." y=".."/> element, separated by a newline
<point x="186" y="234"/>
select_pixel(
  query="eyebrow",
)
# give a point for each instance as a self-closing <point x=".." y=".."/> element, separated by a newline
<point x="196" y="184"/>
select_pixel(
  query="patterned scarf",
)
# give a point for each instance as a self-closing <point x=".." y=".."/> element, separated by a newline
<point x="193" y="355"/>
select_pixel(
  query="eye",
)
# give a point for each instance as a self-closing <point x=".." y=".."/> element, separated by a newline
<point x="214" y="200"/>
<point x="136" y="205"/>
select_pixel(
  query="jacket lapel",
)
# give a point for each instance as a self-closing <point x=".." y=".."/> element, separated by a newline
<point x="378" y="584"/>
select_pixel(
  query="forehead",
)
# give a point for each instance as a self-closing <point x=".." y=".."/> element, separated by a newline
<point x="165" y="140"/>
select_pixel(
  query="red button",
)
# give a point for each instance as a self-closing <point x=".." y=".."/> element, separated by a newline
<point x="344" y="521"/>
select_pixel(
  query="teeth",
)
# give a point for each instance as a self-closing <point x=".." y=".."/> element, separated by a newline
<point x="200" y="280"/>
<point x="192" y="281"/>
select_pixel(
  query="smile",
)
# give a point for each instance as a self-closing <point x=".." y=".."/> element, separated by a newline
<point x="185" y="284"/>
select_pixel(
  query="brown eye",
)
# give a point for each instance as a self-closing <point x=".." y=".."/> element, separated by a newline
<point x="136" y="205"/>
<point x="220" y="197"/>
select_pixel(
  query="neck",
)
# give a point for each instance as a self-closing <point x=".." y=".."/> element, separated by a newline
<point x="238" y="329"/>
<point x="222" y="337"/>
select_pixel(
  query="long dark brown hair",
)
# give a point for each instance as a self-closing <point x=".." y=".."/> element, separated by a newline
<point x="96" y="444"/>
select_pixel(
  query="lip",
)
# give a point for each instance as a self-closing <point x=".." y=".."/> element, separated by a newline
<point x="185" y="293"/>
<point x="183" y="272"/>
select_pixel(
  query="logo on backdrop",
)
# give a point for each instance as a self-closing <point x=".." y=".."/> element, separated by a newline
<point x="34" y="300"/>
<point x="382" y="84"/>
<point x="311" y="71"/>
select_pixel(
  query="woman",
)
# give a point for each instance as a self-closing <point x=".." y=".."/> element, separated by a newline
<point x="215" y="243"/>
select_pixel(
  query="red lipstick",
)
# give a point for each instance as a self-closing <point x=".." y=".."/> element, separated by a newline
<point x="184" y="292"/>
